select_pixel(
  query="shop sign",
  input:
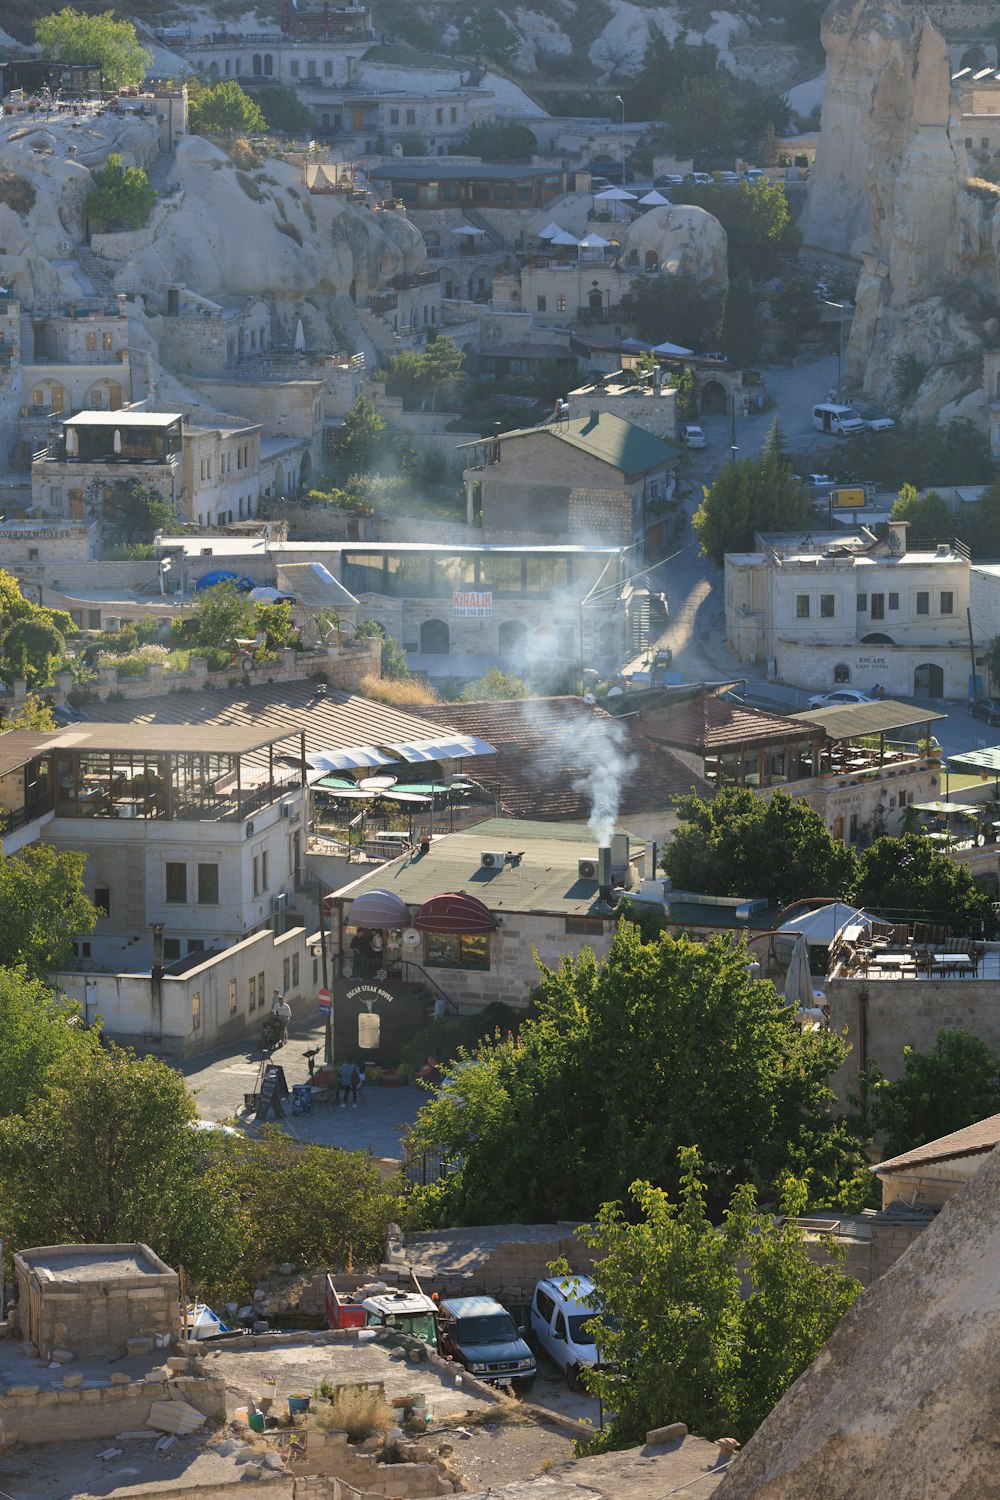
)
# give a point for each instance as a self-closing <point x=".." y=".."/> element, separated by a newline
<point x="477" y="604"/>
<point x="368" y="995"/>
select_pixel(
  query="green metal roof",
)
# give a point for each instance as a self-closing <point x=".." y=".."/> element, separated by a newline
<point x="611" y="439"/>
<point x="977" y="760"/>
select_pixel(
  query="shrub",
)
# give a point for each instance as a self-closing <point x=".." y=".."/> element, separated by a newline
<point x="249" y="187"/>
<point x="397" y="692"/>
<point x="17" y="192"/>
<point x="358" y="1412"/>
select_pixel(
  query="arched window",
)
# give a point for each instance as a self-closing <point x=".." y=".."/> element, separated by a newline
<point x="432" y="239"/>
<point x="435" y="638"/>
<point x="268" y="65"/>
<point x="841" y="674"/>
<point x="256" y="65"/>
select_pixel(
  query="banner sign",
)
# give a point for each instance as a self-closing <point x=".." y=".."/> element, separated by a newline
<point x="477" y="604"/>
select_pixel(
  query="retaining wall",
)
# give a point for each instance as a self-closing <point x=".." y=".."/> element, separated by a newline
<point x="96" y="1410"/>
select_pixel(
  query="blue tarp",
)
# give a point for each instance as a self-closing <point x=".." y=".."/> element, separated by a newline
<point x="220" y="575"/>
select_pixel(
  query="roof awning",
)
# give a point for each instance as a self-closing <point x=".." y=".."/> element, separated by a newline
<point x="976" y="760"/>
<point x="455" y="912"/>
<point x="378" y="908"/>
<point x="350" y="758"/>
<point x="454" y="748"/>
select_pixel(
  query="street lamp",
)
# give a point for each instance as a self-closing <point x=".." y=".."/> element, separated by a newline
<point x="841" y="308"/>
<point x="621" y="101"/>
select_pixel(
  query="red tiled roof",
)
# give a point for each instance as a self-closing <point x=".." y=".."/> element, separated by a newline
<point x="547" y="746"/>
<point x="974" y="1140"/>
<point x="707" y="723"/>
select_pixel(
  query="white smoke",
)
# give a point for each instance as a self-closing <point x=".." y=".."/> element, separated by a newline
<point x="611" y="763"/>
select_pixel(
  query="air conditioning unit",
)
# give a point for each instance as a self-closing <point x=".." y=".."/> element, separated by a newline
<point x="290" y="811"/>
<point x="279" y="902"/>
<point x="492" y="859"/>
<point x="586" y="869"/>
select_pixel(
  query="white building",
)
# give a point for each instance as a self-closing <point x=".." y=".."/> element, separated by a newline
<point x="856" y="610"/>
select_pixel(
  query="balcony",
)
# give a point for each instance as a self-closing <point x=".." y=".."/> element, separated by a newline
<point x="382" y="302"/>
<point x="608" y="313"/>
<point x="415" y="278"/>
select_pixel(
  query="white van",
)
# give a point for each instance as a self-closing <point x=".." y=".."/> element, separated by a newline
<point x="692" y="435"/>
<point x="841" y="421"/>
<point x="561" y="1307"/>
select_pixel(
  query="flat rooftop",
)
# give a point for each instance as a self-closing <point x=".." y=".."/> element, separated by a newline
<point x="124" y="419"/>
<point x="92" y="1262"/>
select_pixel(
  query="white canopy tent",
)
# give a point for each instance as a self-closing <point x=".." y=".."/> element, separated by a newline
<point x="653" y="199"/>
<point x="675" y="350"/>
<point x="821" y="925"/>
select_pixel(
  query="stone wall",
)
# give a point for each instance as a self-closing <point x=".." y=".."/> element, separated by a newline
<point x="100" y="1409"/>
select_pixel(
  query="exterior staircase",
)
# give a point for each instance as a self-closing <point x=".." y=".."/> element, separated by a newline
<point x="101" y="278"/>
<point x="496" y="238"/>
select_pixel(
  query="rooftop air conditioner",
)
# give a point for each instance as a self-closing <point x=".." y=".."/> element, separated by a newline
<point x="586" y="869"/>
<point x="492" y="859"/>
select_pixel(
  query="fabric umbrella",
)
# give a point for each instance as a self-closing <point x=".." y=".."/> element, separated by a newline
<point x="72" y="444"/>
<point x="653" y="200"/>
<point x="594" y="242"/>
<point x="466" y="229"/>
<point x="300" y="338"/>
<point x="550" y="229"/>
<point x="117" y="440"/>
<point x="564" y="238"/>
<point x="614" y="195"/>
<point x="798" y="980"/>
<point x="668" y="348"/>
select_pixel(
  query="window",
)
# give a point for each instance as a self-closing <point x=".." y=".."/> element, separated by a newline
<point x="841" y="673"/>
<point x="411" y="117"/>
<point x="584" y="926"/>
<point x="862" y="603"/>
<point x="923" y="602"/>
<point x="560" y="304"/>
<point x="394" y="117"/>
<point x="253" y="993"/>
<point x="826" y="606"/>
<point x="195" y="945"/>
<point x="295" y="70"/>
<point x="453" y="950"/>
<point x="878" y="606"/>
<point x="256" y="874"/>
<point x="102" y="899"/>
<point x="328" y="68"/>
<point x="171" y="950"/>
<point x="311" y="69"/>
<point x="108" y="341"/>
<point x="893" y="601"/>
<point x="233" y="1000"/>
<point x="802" y="606"/>
<point x="208" y="885"/>
<point x="947" y="602"/>
<point x="176" y="883"/>
<point x="439" y="117"/>
<point x="263" y="870"/>
<point x="542" y="304"/>
<point x="295" y="971"/>
<point x="93" y="619"/>
<point x="454" y="115"/>
<point x="286" y="974"/>
<point x="545" y="1305"/>
<point x="91" y="341"/>
<point x="260" y="989"/>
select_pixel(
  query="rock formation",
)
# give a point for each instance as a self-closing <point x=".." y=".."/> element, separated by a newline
<point x="901" y="1401"/>
<point x="687" y="240"/>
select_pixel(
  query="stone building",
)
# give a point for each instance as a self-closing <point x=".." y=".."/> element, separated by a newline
<point x="200" y="336"/>
<point x="93" y="1299"/>
<point x="933" y="1173"/>
<point x="597" y="477"/>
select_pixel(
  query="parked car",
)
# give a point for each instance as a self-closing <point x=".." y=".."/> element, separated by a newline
<point x="727" y="179"/>
<point x="480" y="1335"/>
<point x="755" y="174"/>
<point x="839" y="697"/>
<point x="668" y="180"/>
<point x="561" y="1308"/>
<point x="986" y="708"/>
<point x="699" y="179"/>
<point x="693" y="436"/>
<point x="880" y="424"/>
<point x="599" y="184"/>
<point x="813" y="479"/>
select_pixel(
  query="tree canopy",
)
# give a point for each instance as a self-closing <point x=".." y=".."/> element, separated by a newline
<point x="739" y="331"/>
<point x="749" y="495"/>
<point x="121" y="198"/>
<point x="128" y="511"/>
<point x="620" y="1064"/>
<point x="70" y="35"/>
<point x="361" y="434"/>
<point x="32" y="637"/>
<point x="703" y="1322"/>
<point x="677" y="308"/>
<point x="953" y="1084"/>
<point x="759" y="229"/>
<point x="224" y="109"/>
<point x="716" y="848"/>
<point x="283" y="110"/>
<point x="44" y="907"/>
<point x="499" y="140"/>
<point x="935" y="453"/>
<point x="908" y="877"/>
<point x="434" y="374"/>
<point x="929" y="517"/>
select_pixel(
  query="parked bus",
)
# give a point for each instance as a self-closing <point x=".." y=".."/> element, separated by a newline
<point x="840" y="421"/>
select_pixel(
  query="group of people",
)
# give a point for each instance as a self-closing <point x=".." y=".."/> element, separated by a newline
<point x="367" y="947"/>
<point x="878" y="691"/>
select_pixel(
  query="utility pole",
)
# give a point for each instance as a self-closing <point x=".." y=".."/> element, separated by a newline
<point x="841" y="308"/>
<point x="621" y="101"/>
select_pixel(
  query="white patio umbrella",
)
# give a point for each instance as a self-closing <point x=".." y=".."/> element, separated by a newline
<point x="798" y="986"/>
<point x="117" y="444"/>
<point x="614" y="195"/>
<point x="594" y="242"/>
<point x="467" y="229"/>
<point x="564" y="238"/>
<point x="72" y="446"/>
<point x="550" y="229"/>
<point x="667" y="348"/>
<point x="300" y="338"/>
<point x="653" y="200"/>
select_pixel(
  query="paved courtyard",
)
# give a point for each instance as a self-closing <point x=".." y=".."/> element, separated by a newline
<point x="220" y="1079"/>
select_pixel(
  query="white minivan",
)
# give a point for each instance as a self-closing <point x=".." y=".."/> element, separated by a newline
<point x="841" y="421"/>
<point x="692" y="435"/>
<point x="561" y="1308"/>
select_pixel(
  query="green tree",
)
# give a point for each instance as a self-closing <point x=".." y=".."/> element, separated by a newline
<point x="32" y="638"/>
<point x="907" y="877"/>
<point x="955" y="452"/>
<point x="361" y="436"/>
<point x="739" y="331"/>
<point x="759" y="229"/>
<point x="485" y="33"/>
<point x="716" y="848"/>
<point x="121" y="198"/>
<point x="619" y="1065"/>
<point x="795" y="307"/>
<point x="33" y="713"/>
<point x="443" y="363"/>
<point x="979" y="524"/>
<point x="393" y="656"/>
<point x="283" y="110"/>
<point x="70" y="35"/>
<point x="224" y="614"/>
<point x="677" y="308"/>
<point x="666" y="65"/>
<point x="954" y="1084"/>
<point x="700" y="117"/>
<point x="495" y="686"/>
<point x="498" y="140"/>
<point x="748" y="495"/>
<point x="44" y="907"/>
<point x="702" y="1322"/>
<point x="404" y="376"/>
<point x="128" y="511"/>
<point x="39" y="1029"/>
<point x="224" y="109"/>
<point x="929" y="516"/>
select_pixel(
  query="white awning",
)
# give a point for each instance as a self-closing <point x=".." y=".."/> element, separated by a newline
<point x="351" y="758"/>
<point x="449" y="749"/>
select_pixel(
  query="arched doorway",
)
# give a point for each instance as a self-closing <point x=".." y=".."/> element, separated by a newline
<point x="510" y="640"/>
<point x="928" y="680"/>
<point x="974" y="58"/>
<point x="595" y="300"/>
<point x="714" y="398"/>
<point x="435" y="638"/>
<point x="651" y="261"/>
<point x="878" y="638"/>
<point x="305" y="468"/>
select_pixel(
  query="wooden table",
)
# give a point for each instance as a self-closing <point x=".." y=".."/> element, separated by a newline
<point x="963" y="962"/>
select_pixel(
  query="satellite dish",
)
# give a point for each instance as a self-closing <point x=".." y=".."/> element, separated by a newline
<point x="411" y="937"/>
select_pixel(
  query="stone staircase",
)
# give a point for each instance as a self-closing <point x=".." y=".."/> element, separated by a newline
<point x="495" y="236"/>
<point x="97" y="270"/>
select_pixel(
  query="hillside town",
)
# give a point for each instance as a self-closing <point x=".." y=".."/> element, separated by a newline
<point x="499" y="750"/>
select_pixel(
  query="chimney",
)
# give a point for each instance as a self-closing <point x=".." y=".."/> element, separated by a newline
<point x="604" y="872"/>
<point x="594" y="416"/>
<point x="619" y="857"/>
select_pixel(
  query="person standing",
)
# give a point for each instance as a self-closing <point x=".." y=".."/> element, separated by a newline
<point x="281" y="1008"/>
<point x="347" y="1083"/>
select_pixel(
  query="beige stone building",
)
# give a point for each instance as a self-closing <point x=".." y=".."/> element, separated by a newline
<point x="931" y="1175"/>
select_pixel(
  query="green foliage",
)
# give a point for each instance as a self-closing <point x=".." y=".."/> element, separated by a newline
<point x="361" y="435"/>
<point x="624" y="1062"/>
<point x="908" y="373"/>
<point x="700" y="117"/>
<point x="416" y="376"/>
<point x="907" y="877"/>
<point x="283" y="110"/>
<point x="937" y="453"/>
<point x="413" y="143"/>
<point x="393" y="656"/>
<point x="666" y="66"/>
<point x="739" y="331"/>
<point x="929" y="516"/>
<point x="498" y="140"/>
<point x="748" y="495"/>
<point x="795" y="307"/>
<point x="44" y="907"/>
<point x="39" y="1029"/>
<point x="32" y="638"/>
<point x="33" y="713"/>
<point x="121" y="198"/>
<point x="224" y="612"/>
<point x="70" y="35"/>
<point x="954" y="1084"/>
<point x="703" y="1323"/>
<point x="494" y="687"/>
<point x="224" y="109"/>
<point x="128" y="511"/>
<point x="444" y="1040"/>
<point x="716" y="848"/>
<point x="755" y="216"/>
<point x="485" y="33"/>
<point x="348" y="500"/>
<point x="979" y="524"/>
<point x="677" y="308"/>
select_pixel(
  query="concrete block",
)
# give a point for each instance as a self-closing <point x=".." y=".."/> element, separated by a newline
<point x="118" y="1377"/>
<point x="63" y="1356"/>
<point x="669" y="1434"/>
<point x="139" y="1346"/>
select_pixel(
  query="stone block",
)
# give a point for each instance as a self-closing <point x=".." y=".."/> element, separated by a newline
<point x="118" y="1377"/>
<point x="21" y="1390"/>
<point x="47" y="1398"/>
<point x="63" y="1356"/>
<point x="139" y="1346"/>
<point x="96" y="1393"/>
<point x="72" y="1381"/>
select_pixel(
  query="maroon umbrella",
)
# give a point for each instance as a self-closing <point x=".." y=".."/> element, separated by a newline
<point x="455" y="912"/>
